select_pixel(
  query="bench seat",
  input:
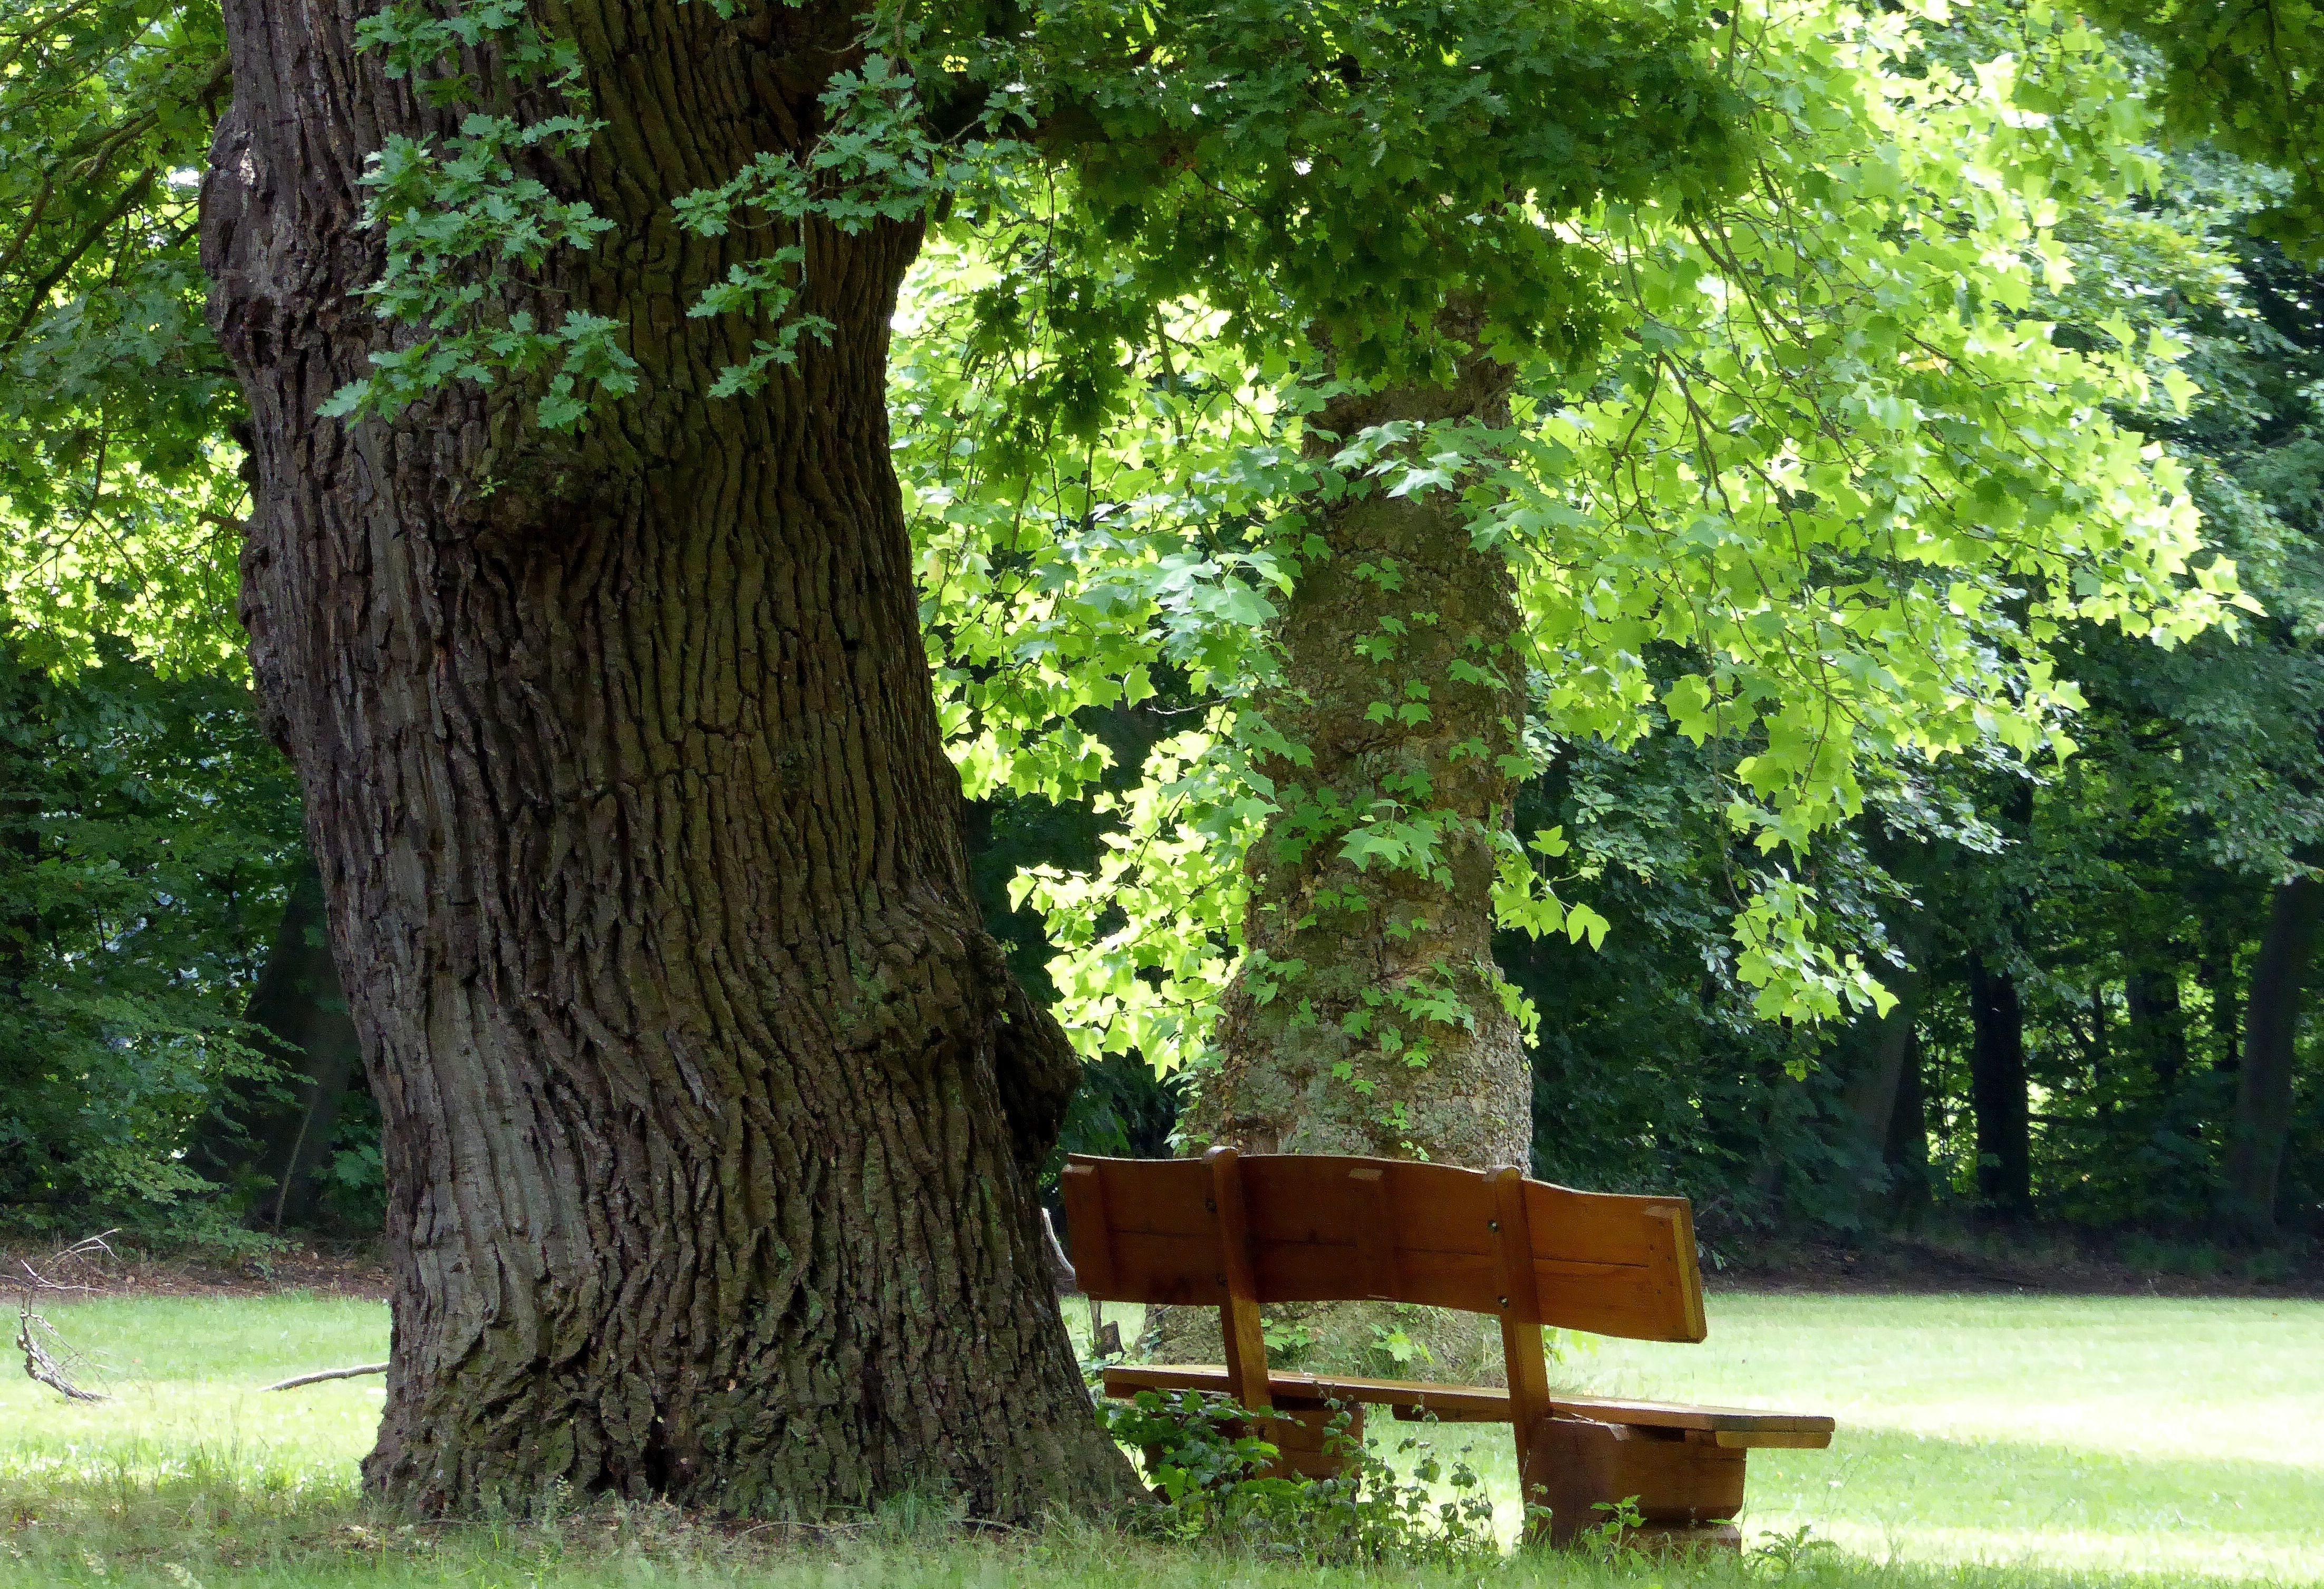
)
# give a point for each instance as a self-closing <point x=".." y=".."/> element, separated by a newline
<point x="1734" y="1428"/>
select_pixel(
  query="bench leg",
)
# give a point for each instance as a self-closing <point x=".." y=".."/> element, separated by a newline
<point x="1300" y="1431"/>
<point x="1687" y="1492"/>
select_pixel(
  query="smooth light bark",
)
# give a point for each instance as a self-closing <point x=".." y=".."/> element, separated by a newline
<point x="2262" y="1123"/>
<point x="711" y="1113"/>
<point x="1307" y="1061"/>
<point x="2004" y="1148"/>
<point x="1316" y="1055"/>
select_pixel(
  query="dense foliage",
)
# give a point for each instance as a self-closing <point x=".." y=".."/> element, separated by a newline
<point x="1910" y="486"/>
<point x="144" y="830"/>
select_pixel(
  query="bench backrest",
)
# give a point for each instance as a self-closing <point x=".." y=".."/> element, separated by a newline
<point x="1234" y="1232"/>
<point x="1320" y="1228"/>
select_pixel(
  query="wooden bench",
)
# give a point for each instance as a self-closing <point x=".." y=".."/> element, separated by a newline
<point x="1236" y="1232"/>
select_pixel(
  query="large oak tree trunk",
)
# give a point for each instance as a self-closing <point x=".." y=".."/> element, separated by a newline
<point x="711" y="1113"/>
<point x="2263" y="1116"/>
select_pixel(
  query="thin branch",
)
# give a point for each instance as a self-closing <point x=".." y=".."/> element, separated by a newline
<point x="357" y="1372"/>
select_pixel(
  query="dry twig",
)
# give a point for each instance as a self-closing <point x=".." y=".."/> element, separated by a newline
<point x="48" y="1360"/>
<point x="295" y="1381"/>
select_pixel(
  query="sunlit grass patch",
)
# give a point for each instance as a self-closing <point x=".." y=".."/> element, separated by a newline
<point x="183" y="1378"/>
<point x="2015" y="1443"/>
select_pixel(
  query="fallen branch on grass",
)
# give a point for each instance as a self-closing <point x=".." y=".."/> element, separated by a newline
<point x="48" y="1361"/>
<point x="357" y="1372"/>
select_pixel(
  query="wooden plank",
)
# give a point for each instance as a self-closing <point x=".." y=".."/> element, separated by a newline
<point x="1735" y="1425"/>
<point x="1589" y="1227"/>
<point x="1239" y="1323"/>
<point x="1375" y="1233"/>
<point x="1084" y="1185"/>
<point x="1169" y="1269"/>
<point x="1527" y="1369"/>
<point x="1627" y="1299"/>
<point x="1164" y="1197"/>
<point x="1679" y="1216"/>
<point x="1617" y="1265"/>
<point x="1450" y="1403"/>
<point x="1318" y="1198"/>
<point x="1671" y="1415"/>
<point x="1300" y="1272"/>
<point x="1771" y="1441"/>
<point x="1440" y="1208"/>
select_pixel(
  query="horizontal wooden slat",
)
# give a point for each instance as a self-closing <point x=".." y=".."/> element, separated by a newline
<point x="1164" y="1196"/>
<point x="1164" y="1268"/>
<point x="1670" y="1415"/>
<point x="1774" y="1439"/>
<point x="1316" y="1198"/>
<point x="1732" y="1425"/>
<point x="1588" y="1228"/>
<point x="1292" y="1271"/>
<point x="1615" y="1299"/>
<point x="1450" y="1403"/>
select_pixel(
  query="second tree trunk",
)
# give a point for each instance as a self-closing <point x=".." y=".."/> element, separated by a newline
<point x="1367" y="1018"/>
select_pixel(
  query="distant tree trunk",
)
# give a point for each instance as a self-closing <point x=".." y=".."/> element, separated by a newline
<point x="22" y="930"/>
<point x="1878" y="1048"/>
<point x="1907" y="1149"/>
<point x="711" y="1113"/>
<point x="297" y="1003"/>
<point x="2217" y="973"/>
<point x="2158" y="1023"/>
<point x="2262" y="1123"/>
<point x="2004" y="1148"/>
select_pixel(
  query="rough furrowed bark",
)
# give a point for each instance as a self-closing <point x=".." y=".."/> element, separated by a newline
<point x="1308" y="1064"/>
<point x="710" y="1110"/>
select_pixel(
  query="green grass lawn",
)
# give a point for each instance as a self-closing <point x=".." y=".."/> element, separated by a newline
<point x="2024" y="1442"/>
